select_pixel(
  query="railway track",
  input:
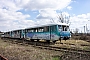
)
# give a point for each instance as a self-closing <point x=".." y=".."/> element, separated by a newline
<point x="62" y="49"/>
<point x="3" y="58"/>
<point x="67" y="50"/>
<point x="43" y="45"/>
<point x="72" y="44"/>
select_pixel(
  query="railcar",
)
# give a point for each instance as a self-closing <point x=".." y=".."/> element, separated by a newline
<point x="49" y="32"/>
<point x="7" y="34"/>
<point x="53" y="32"/>
<point x="19" y="34"/>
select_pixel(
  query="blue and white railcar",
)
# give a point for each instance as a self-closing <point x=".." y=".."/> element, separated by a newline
<point x="7" y="34"/>
<point x="53" y="31"/>
<point x="17" y="34"/>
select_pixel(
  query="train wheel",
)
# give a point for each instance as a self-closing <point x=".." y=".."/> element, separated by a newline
<point x="60" y="39"/>
<point x="54" y="41"/>
<point x="48" y="41"/>
<point x="32" y="40"/>
<point x="37" y="40"/>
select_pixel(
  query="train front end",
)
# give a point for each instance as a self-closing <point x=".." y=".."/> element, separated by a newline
<point x="65" y="35"/>
<point x="64" y="32"/>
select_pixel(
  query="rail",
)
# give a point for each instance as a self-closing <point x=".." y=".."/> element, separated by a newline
<point x="49" y="47"/>
<point x="3" y="58"/>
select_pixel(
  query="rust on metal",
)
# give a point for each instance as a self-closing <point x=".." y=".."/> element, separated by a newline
<point x="3" y="58"/>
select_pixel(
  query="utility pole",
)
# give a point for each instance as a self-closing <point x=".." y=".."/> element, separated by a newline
<point x="88" y="28"/>
<point x="84" y="29"/>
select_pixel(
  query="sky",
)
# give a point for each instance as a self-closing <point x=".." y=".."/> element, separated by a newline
<point x="20" y="14"/>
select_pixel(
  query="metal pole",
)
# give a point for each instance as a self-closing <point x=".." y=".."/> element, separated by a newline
<point x="84" y="29"/>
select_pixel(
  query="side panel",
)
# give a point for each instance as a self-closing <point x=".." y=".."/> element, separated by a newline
<point x="43" y="35"/>
<point x="16" y="35"/>
<point x="7" y="34"/>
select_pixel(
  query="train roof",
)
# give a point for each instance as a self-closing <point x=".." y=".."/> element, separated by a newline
<point x="42" y="25"/>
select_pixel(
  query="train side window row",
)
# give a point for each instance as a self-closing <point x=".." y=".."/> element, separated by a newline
<point x="42" y="29"/>
<point x="39" y="29"/>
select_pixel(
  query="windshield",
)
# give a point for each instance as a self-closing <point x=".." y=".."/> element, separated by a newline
<point x="63" y="28"/>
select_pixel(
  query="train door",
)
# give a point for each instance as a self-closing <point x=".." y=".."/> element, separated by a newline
<point x="50" y="30"/>
<point x="53" y="33"/>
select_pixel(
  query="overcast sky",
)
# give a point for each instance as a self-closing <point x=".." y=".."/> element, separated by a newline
<point x="18" y="14"/>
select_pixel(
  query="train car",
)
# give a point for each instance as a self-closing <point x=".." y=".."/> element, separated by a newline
<point x="17" y="34"/>
<point x="7" y="34"/>
<point x="53" y="32"/>
<point x="49" y="32"/>
<point x="1" y="34"/>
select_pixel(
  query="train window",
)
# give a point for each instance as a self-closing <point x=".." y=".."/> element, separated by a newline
<point x="26" y="31"/>
<point x="23" y="31"/>
<point x="40" y="29"/>
<point x="18" y="32"/>
<point x="35" y="29"/>
<point x="63" y="28"/>
<point x="59" y="27"/>
<point x="15" y="32"/>
<point x="30" y="30"/>
<point x="67" y="28"/>
<point x="46" y="29"/>
<point x="53" y="28"/>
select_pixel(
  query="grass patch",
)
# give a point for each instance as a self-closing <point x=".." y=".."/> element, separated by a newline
<point x="56" y="57"/>
<point x="86" y="48"/>
<point x="75" y="42"/>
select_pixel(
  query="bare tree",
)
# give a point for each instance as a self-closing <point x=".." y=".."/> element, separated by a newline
<point x="51" y="20"/>
<point x="68" y="20"/>
<point x="63" y="18"/>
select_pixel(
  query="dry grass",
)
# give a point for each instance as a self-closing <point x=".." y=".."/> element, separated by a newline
<point x="76" y="44"/>
<point x="20" y="52"/>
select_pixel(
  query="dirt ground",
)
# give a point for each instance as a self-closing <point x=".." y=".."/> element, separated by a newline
<point x="24" y="52"/>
